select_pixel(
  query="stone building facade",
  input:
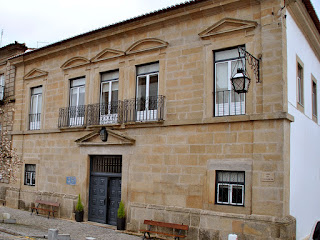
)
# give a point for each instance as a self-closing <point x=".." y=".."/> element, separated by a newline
<point x="7" y="76"/>
<point x="181" y="146"/>
<point x="7" y="99"/>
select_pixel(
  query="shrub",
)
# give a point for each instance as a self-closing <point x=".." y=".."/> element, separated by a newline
<point x="79" y="206"/>
<point x="121" y="212"/>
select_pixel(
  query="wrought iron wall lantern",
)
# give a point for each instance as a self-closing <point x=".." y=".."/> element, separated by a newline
<point x="104" y="134"/>
<point x="240" y="79"/>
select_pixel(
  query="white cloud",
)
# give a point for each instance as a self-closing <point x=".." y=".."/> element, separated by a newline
<point x="35" y="21"/>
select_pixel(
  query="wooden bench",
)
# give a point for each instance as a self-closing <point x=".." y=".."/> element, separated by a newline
<point x="174" y="226"/>
<point x="50" y="207"/>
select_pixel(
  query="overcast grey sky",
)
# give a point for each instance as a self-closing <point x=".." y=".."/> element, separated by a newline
<point x="37" y="22"/>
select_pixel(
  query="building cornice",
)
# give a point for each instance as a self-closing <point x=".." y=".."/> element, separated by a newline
<point x="212" y="120"/>
<point x="159" y="17"/>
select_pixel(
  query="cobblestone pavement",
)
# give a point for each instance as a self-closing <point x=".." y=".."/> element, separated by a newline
<point x="36" y="227"/>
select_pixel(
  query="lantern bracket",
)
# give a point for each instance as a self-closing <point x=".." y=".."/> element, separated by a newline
<point x="252" y="61"/>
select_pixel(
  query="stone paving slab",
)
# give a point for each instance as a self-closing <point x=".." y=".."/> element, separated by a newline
<point x="28" y="226"/>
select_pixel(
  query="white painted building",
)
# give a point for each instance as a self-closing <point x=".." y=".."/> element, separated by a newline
<point x="303" y="72"/>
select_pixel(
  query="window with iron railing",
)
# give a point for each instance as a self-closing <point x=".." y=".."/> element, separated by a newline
<point x="147" y="92"/>
<point x="109" y="97"/>
<point x="226" y="100"/>
<point x="35" y="108"/>
<point x="76" y="111"/>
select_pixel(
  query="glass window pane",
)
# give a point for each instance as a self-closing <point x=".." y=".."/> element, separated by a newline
<point x="153" y="85"/>
<point x="33" y="109"/>
<point x="241" y="177"/>
<point x="2" y="79"/>
<point x="223" y="193"/>
<point x="149" y="68"/>
<point x="73" y="97"/>
<point x="77" y="82"/>
<point x="114" y="89"/>
<point x="234" y="177"/>
<point x="227" y="54"/>
<point x="226" y="177"/>
<point x="237" y="194"/>
<point x="37" y="90"/>
<point x="105" y="92"/>
<point x="141" y="94"/>
<point x="39" y="103"/>
<point x="222" y="76"/>
<point x="81" y="96"/>
<point x="110" y="75"/>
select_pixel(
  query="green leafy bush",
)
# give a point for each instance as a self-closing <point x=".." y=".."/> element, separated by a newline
<point x="121" y="212"/>
<point x="79" y="206"/>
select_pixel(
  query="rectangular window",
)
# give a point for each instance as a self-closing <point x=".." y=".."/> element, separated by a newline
<point x="314" y="100"/>
<point x="30" y="175"/>
<point x="35" y="108"/>
<point x="230" y="188"/>
<point x="1" y="86"/>
<point x="77" y="99"/>
<point x="300" y="84"/>
<point x="227" y="102"/>
<point x="147" y="92"/>
<point x="109" y="97"/>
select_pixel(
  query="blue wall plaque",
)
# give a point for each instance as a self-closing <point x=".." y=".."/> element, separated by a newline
<point x="71" y="180"/>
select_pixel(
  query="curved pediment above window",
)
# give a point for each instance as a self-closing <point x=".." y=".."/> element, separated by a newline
<point x="106" y="54"/>
<point x="146" y="45"/>
<point x="227" y="25"/>
<point x="35" y="73"/>
<point x="75" y="62"/>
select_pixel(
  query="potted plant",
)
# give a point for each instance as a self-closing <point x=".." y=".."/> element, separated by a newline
<point x="121" y="220"/>
<point x="79" y="211"/>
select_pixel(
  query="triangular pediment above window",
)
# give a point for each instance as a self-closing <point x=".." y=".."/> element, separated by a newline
<point x="107" y="54"/>
<point x="227" y="25"/>
<point x="114" y="138"/>
<point x="35" y="73"/>
<point x="146" y="45"/>
<point x="75" y="62"/>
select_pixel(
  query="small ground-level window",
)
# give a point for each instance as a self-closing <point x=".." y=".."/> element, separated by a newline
<point x="30" y="175"/>
<point x="230" y="187"/>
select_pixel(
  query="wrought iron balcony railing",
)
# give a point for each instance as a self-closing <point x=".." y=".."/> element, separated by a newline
<point x="133" y="110"/>
<point x="105" y="113"/>
<point x="34" y="121"/>
<point x="229" y="103"/>
<point x="72" y="116"/>
<point x="1" y="92"/>
<point x="143" y="110"/>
